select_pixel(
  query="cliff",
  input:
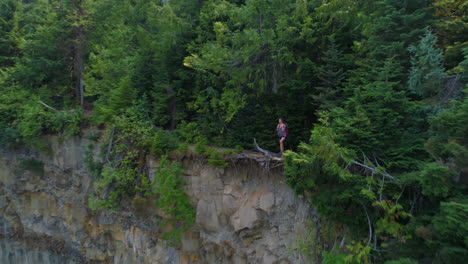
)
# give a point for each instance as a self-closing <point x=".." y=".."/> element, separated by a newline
<point x="243" y="213"/>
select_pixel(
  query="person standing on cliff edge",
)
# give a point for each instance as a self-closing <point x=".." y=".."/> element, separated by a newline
<point x="282" y="130"/>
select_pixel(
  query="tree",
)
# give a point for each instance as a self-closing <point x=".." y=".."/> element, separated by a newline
<point x="427" y="68"/>
<point x="377" y="119"/>
<point x="136" y="59"/>
<point x="8" y="31"/>
<point x="331" y="78"/>
<point x="451" y="27"/>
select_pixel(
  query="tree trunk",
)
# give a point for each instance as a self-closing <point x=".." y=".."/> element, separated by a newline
<point x="172" y="107"/>
<point x="78" y="56"/>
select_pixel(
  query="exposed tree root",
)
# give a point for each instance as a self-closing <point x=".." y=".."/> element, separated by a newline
<point x="267" y="159"/>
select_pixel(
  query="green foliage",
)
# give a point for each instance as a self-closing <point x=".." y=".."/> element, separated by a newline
<point x="133" y="139"/>
<point x="318" y="244"/>
<point x="381" y="121"/>
<point x="220" y="73"/>
<point x="216" y="159"/>
<point x="436" y="180"/>
<point x="188" y="131"/>
<point x="427" y="68"/>
<point x="322" y="158"/>
<point x="331" y="78"/>
<point x="33" y="165"/>
<point x="132" y="129"/>
<point x="215" y="156"/>
<point x="183" y="147"/>
<point x="136" y="56"/>
<point x="449" y="142"/>
<point x="201" y="147"/>
<point x="114" y="184"/>
<point x="8" y="136"/>
<point x="34" y="121"/>
<point x="329" y="258"/>
<point x="164" y="142"/>
<point x="94" y="136"/>
<point x="451" y="231"/>
<point x="451" y="26"/>
<point x="170" y="198"/>
<point x="93" y="167"/>
<point x="66" y="122"/>
<point x="402" y="261"/>
<point x="37" y="120"/>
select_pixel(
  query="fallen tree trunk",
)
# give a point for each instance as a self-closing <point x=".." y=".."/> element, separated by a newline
<point x="267" y="159"/>
<point x="267" y="153"/>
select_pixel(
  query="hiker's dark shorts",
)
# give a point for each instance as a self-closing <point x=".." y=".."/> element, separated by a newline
<point x="285" y="138"/>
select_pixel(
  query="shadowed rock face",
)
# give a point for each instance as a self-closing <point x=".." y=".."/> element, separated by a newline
<point x="21" y="253"/>
<point x="244" y="215"/>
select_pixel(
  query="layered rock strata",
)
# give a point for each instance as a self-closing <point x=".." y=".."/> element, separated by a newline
<point x="243" y="213"/>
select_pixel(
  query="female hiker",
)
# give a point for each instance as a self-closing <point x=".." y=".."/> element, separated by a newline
<point x="282" y="130"/>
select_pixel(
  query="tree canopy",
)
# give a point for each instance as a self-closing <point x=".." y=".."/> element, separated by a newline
<point x="374" y="94"/>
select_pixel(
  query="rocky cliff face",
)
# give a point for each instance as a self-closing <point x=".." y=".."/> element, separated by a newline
<point x="244" y="214"/>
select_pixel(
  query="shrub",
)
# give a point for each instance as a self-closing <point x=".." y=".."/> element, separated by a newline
<point x="164" y="142"/>
<point x="188" y="131"/>
<point x="94" y="168"/>
<point x="8" y="136"/>
<point x="66" y="122"/>
<point x="201" y="147"/>
<point x="216" y="159"/>
<point x="171" y="198"/>
<point x="33" y="165"/>
<point x="37" y="120"/>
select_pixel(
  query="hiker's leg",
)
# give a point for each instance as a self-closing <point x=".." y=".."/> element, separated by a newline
<point x="282" y="144"/>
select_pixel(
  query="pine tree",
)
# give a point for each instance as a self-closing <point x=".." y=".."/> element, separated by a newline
<point x="427" y="68"/>
<point x="451" y="27"/>
<point x="377" y="118"/>
<point x="8" y="26"/>
<point x="331" y="78"/>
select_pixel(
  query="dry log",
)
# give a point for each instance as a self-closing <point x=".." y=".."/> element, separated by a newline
<point x="267" y="159"/>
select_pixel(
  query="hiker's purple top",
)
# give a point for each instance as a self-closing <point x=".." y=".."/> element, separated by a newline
<point x="282" y="132"/>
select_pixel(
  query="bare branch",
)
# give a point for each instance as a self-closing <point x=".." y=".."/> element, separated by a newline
<point x="266" y="152"/>
<point x="381" y="187"/>
<point x="372" y="176"/>
<point x="370" y="226"/>
<point x="415" y="199"/>
<point x="110" y="146"/>
<point x="375" y="239"/>
<point x="342" y="242"/>
<point x="399" y="196"/>
<point x="384" y="173"/>
<point x="44" y="104"/>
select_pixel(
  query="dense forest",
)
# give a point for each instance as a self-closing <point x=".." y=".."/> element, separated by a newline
<point x="374" y="93"/>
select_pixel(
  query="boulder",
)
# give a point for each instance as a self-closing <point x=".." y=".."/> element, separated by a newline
<point x="245" y="217"/>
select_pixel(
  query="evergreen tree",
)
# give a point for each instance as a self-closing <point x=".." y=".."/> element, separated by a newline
<point x="8" y="30"/>
<point x="427" y="68"/>
<point x="331" y="78"/>
<point x="377" y="119"/>
<point x="451" y="27"/>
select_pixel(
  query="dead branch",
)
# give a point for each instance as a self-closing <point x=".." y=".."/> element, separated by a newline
<point x="268" y="160"/>
<point x="109" y="148"/>
<point x="399" y="196"/>
<point x="342" y="242"/>
<point x="44" y="104"/>
<point x="370" y="226"/>
<point x="267" y="153"/>
<point x="384" y="173"/>
<point x="381" y="188"/>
